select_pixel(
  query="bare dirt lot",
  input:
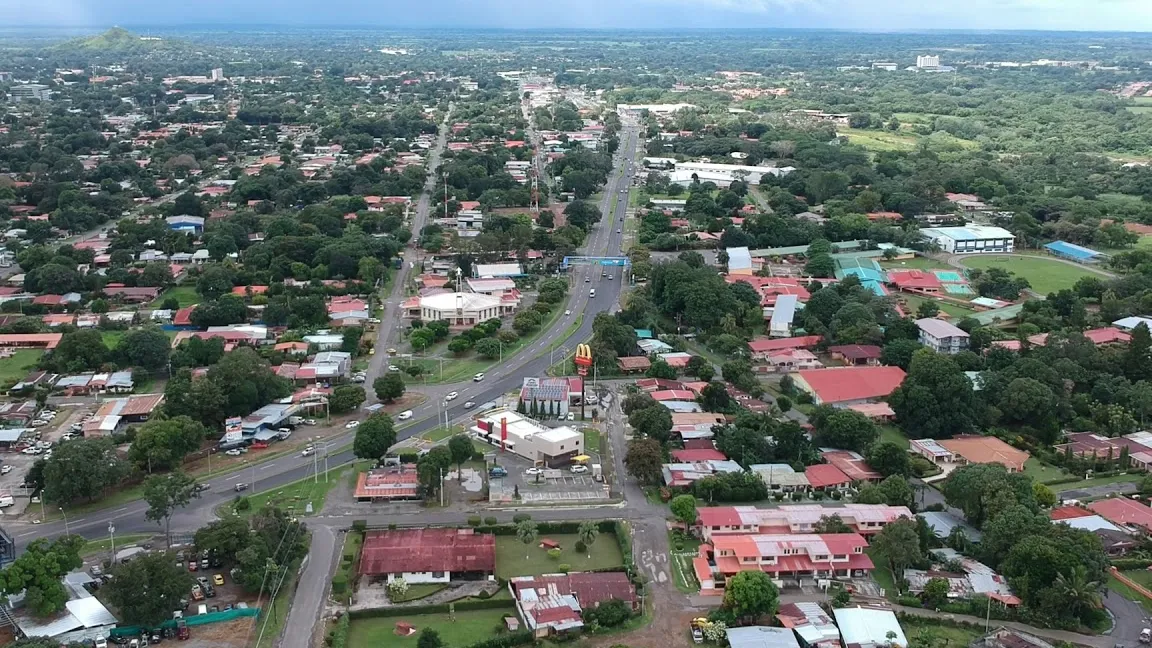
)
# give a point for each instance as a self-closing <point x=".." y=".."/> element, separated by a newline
<point x="236" y="633"/>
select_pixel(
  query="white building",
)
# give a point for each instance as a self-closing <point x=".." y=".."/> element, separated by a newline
<point x="941" y="336"/>
<point x="483" y="270"/>
<point x="723" y="173"/>
<point x="971" y="239"/>
<point x="460" y="309"/>
<point x="529" y="439"/>
<point x="928" y="61"/>
<point x="869" y="627"/>
<point x="26" y="91"/>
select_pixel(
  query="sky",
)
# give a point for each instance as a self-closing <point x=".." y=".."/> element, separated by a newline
<point x="872" y="15"/>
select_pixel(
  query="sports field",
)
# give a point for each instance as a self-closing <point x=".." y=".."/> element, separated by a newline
<point x="1045" y="275"/>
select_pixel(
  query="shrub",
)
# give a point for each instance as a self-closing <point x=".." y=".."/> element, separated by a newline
<point x="359" y="525"/>
<point x="554" y="554"/>
<point x="817" y="495"/>
<point x="797" y="496"/>
<point x="397" y="588"/>
<point x="339" y="584"/>
<point x="409" y="457"/>
<point x="608" y="614"/>
<point x="474" y="520"/>
<point x="909" y="601"/>
<point x="564" y="568"/>
<point x="521" y="517"/>
<point x="581" y="547"/>
<point x="241" y="504"/>
<point x="490" y="520"/>
<point x="779" y="497"/>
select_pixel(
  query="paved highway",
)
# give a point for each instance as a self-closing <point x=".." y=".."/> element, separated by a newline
<point x="605" y="240"/>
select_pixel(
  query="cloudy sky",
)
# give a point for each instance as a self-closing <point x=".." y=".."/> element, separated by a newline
<point x="1122" y="15"/>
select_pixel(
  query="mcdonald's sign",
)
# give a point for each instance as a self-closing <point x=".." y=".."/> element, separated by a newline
<point x="583" y="359"/>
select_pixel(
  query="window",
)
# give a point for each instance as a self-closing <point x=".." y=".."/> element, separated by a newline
<point x="437" y="574"/>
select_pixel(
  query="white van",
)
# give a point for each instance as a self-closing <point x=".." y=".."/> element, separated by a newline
<point x="6" y="501"/>
<point x="592" y="292"/>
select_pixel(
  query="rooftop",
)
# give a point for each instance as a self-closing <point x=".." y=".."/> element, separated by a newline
<point x="427" y="550"/>
<point x="839" y="384"/>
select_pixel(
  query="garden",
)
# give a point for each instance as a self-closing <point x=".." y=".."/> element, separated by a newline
<point x="514" y="558"/>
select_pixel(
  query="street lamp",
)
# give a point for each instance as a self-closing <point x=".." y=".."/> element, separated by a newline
<point x="112" y="543"/>
<point x="66" y="531"/>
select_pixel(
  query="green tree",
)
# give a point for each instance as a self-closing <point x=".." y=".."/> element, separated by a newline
<point x="661" y="369"/>
<point x="652" y="422"/>
<point x="587" y="533"/>
<point x="146" y="589"/>
<point x="644" y="460"/>
<point x="460" y="447"/>
<point x="1044" y="495"/>
<point x="714" y="397"/>
<point x="843" y="428"/>
<point x="162" y="444"/>
<point x="684" y="508"/>
<point x="102" y="469"/>
<point x="166" y="493"/>
<point x="1079" y="593"/>
<point x="527" y="532"/>
<point x="488" y="348"/>
<point x="373" y="437"/>
<point x="935" y="592"/>
<point x="389" y="387"/>
<point x="429" y="638"/>
<point x="751" y="595"/>
<point x="346" y="398"/>
<point x="431" y="468"/>
<point x="146" y="347"/>
<point x="832" y="524"/>
<point x="38" y="572"/>
<point x="224" y="537"/>
<point x="898" y="543"/>
<point x="889" y="458"/>
<point x="983" y="490"/>
<point x="899" y="352"/>
<point x="936" y="398"/>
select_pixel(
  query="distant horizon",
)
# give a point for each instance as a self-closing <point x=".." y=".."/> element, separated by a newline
<point x="880" y="16"/>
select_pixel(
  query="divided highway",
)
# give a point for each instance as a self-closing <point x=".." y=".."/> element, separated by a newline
<point x="606" y="239"/>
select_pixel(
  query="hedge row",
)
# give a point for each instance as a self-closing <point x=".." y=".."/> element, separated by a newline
<point x="1131" y="563"/>
<point x="506" y="641"/>
<point x="441" y="608"/>
<point x="605" y="526"/>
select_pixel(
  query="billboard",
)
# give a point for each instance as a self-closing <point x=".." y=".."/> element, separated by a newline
<point x="583" y="359"/>
<point x="233" y="430"/>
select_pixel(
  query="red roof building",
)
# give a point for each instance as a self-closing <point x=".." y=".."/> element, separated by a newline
<point x="791" y="555"/>
<point x="183" y="317"/>
<point x="427" y="555"/>
<point x="864" y="519"/>
<point x="707" y="454"/>
<point x="916" y="280"/>
<point x="852" y="465"/>
<point x="131" y="295"/>
<point x="1123" y="512"/>
<point x="761" y="347"/>
<point x="826" y="476"/>
<point x="856" y="354"/>
<point x="1069" y="513"/>
<point x="388" y="484"/>
<point x="848" y="385"/>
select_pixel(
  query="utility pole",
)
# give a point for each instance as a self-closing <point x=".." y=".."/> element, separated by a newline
<point x="112" y="543"/>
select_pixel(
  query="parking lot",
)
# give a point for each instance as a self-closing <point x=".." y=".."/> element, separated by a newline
<point x="551" y="485"/>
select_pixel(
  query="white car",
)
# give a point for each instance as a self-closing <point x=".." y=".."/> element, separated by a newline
<point x="567" y="312"/>
<point x="571" y="416"/>
<point x="309" y="421"/>
<point x="534" y="471"/>
<point x="478" y="377"/>
<point x="469" y="404"/>
<point x="451" y="396"/>
<point x="351" y="425"/>
<point x="234" y="452"/>
<point x="393" y="368"/>
<point x="5" y="470"/>
<point x="307" y="452"/>
<point x="373" y="320"/>
<point x="405" y="415"/>
<point x="578" y="469"/>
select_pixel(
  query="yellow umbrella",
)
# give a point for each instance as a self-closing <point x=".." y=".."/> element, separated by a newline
<point x="581" y="458"/>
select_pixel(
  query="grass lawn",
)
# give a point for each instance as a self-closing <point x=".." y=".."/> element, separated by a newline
<point x="18" y="366"/>
<point x="93" y="547"/>
<point x="112" y="338"/>
<point x="1099" y="481"/>
<point x="468" y="628"/>
<point x="1041" y="472"/>
<point x="875" y="140"/>
<point x="591" y="440"/>
<point x="1129" y="593"/>
<point x="510" y="552"/>
<point x="294" y="497"/>
<point x="916" y="263"/>
<point x="893" y="434"/>
<point x="418" y="591"/>
<point x="684" y="576"/>
<point x="882" y="575"/>
<point x="1045" y="275"/>
<point x="1140" y="110"/>
<point x="186" y="295"/>
<point x="441" y="433"/>
<point x="952" y="637"/>
<point x="957" y="312"/>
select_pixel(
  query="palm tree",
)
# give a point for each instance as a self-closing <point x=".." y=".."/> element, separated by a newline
<point x="1079" y="592"/>
<point x="728" y="323"/>
<point x="527" y="533"/>
<point x="587" y="533"/>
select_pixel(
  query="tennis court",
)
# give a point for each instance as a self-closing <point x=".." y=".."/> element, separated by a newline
<point x="957" y="289"/>
<point x="949" y="276"/>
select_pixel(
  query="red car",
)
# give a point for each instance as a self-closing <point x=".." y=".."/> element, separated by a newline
<point x="192" y="566"/>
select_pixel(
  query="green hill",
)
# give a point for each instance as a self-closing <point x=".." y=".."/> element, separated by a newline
<point x="115" y="39"/>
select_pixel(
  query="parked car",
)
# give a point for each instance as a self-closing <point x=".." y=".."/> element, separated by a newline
<point x="218" y="579"/>
<point x="393" y="368"/>
<point x="533" y="471"/>
<point x="192" y="566"/>
<point x="578" y="469"/>
<point x="5" y="470"/>
<point x="404" y="416"/>
<point x="571" y="416"/>
<point x="497" y="471"/>
<point x="234" y="452"/>
<point x="309" y="421"/>
<point x="100" y="642"/>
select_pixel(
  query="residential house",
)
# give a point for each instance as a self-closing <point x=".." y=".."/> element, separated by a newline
<point x="867" y="627"/>
<point x="865" y="519"/>
<point x="970" y="449"/>
<point x="795" y="556"/>
<point x="856" y="354"/>
<point x="427" y="555"/>
<point x="685" y="474"/>
<point x="811" y="624"/>
<point x="941" y="336"/>
<point x="387" y="484"/>
<point x="553" y="603"/>
<point x="844" y="386"/>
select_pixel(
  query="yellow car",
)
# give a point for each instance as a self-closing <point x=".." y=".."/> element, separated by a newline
<point x="218" y="580"/>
